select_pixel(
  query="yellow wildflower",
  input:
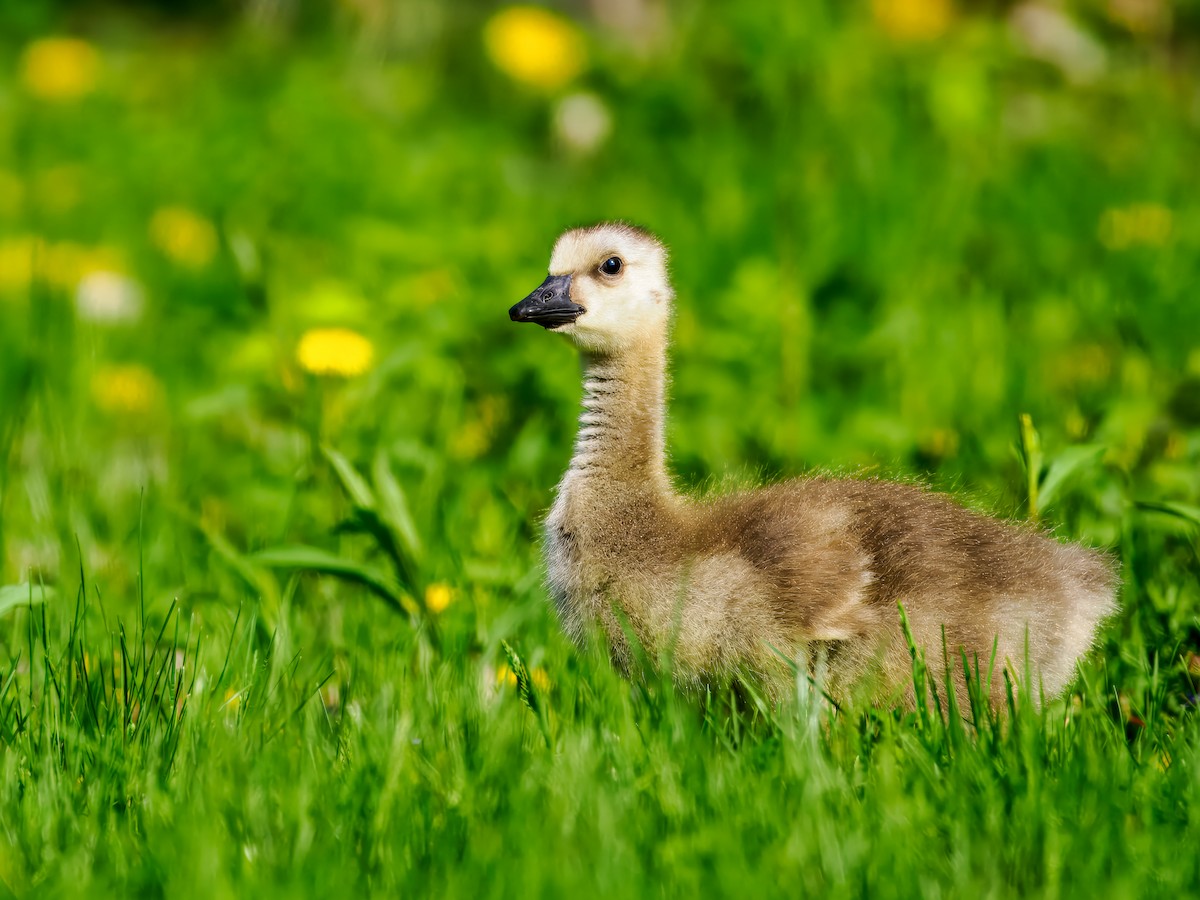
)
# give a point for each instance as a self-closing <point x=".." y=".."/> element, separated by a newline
<point x="60" y="68"/>
<point x="334" y="351"/>
<point x="60" y="265"/>
<point x="125" y="389"/>
<point x="535" y="46"/>
<point x="1149" y="224"/>
<point x="438" y="597"/>
<point x="233" y="699"/>
<point x="64" y="265"/>
<point x="541" y="681"/>
<point x="184" y="236"/>
<point x="16" y="263"/>
<point x="505" y="675"/>
<point x="69" y="264"/>
<point x="907" y="21"/>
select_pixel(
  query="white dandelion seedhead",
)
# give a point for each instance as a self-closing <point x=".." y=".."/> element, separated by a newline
<point x="582" y="122"/>
<point x="109" y="298"/>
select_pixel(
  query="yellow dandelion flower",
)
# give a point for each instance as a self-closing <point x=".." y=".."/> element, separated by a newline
<point x="438" y="597"/>
<point x="184" y="236"/>
<point x="233" y="700"/>
<point x="64" y="265"/>
<point x="126" y="389"/>
<point x="505" y="675"/>
<point x="535" y="46"/>
<point x="334" y="351"/>
<point x="60" y="68"/>
<point x="61" y="264"/>
<point x="541" y="681"/>
<point x="1147" y="224"/>
<point x="910" y="21"/>
<point x="16" y="263"/>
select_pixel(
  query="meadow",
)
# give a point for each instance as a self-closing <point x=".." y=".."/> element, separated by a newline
<point x="273" y="459"/>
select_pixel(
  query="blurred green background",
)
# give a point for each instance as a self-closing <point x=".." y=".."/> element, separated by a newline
<point x="894" y="227"/>
<point x="236" y="236"/>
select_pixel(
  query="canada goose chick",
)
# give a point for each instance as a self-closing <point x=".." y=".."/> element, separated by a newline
<point x="814" y="566"/>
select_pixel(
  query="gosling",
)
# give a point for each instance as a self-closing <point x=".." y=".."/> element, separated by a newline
<point x="755" y="586"/>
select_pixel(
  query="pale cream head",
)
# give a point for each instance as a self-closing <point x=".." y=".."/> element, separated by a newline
<point x="630" y="306"/>
<point x="618" y="275"/>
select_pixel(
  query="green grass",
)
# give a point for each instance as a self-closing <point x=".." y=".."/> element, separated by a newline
<point x="156" y="773"/>
<point x="225" y="669"/>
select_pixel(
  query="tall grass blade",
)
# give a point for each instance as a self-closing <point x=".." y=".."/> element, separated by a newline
<point x="314" y="559"/>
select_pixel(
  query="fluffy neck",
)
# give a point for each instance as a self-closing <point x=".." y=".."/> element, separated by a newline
<point x="620" y="437"/>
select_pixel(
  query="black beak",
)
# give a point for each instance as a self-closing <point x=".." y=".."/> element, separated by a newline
<point x="550" y="305"/>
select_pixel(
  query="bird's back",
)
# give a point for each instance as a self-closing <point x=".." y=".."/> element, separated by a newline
<point x="842" y="554"/>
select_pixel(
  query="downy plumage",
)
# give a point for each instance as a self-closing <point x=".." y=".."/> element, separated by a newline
<point x="807" y="569"/>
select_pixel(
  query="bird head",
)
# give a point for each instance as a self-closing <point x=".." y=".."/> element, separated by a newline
<point x="607" y="289"/>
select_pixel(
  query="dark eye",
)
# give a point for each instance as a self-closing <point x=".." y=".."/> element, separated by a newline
<point x="611" y="266"/>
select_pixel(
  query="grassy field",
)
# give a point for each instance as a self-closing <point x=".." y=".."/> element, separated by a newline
<point x="273" y="459"/>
